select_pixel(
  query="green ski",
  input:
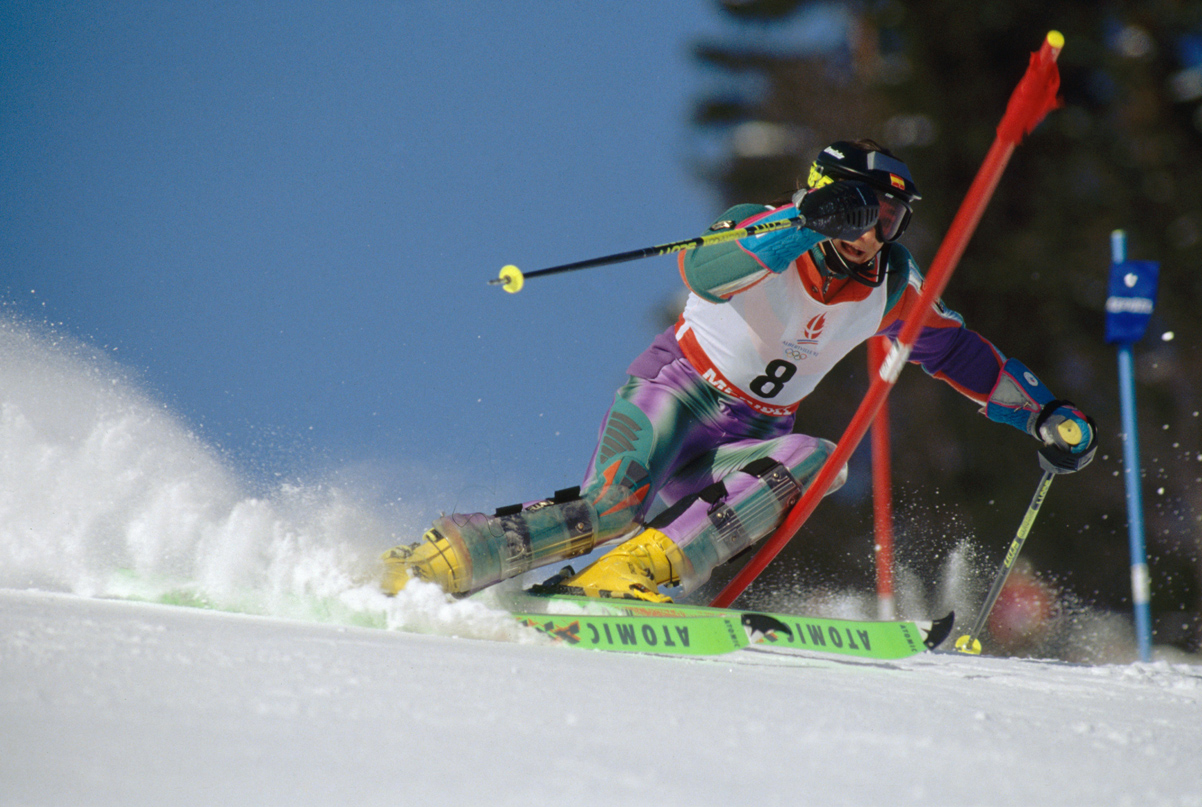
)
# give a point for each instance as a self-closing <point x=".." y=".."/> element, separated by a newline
<point x="707" y="636"/>
<point x="694" y="630"/>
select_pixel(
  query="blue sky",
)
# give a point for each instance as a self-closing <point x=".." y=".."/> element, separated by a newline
<point x="282" y="218"/>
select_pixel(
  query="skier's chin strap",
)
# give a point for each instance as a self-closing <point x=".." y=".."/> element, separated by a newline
<point x="872" y="273"/>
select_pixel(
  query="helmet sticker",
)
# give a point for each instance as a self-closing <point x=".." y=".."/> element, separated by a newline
<point x="818" y="177"/>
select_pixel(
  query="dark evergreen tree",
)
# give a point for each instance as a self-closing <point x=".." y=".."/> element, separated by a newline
<point x="930" y="79"/>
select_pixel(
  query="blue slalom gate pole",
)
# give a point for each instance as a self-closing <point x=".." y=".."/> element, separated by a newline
<point x="1129" y="306"/>
<point x="1140" y="586"/>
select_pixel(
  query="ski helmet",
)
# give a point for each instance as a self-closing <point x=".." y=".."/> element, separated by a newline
<point x="888" y="176"/>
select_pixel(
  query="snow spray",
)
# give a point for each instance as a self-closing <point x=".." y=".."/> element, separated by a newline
<point x="104" y="492"/>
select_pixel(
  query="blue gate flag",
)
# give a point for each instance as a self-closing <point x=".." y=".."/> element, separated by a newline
<point x="1131" y="298"/>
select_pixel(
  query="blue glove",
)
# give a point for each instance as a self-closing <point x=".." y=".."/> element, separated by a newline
<point x="777" y="249"/>
<point x="843" y="210"/>
<point x="1021" y="399"/>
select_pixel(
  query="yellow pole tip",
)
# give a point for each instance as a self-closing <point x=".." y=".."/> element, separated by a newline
<point x="1056" y="39"/>
<point x="514" y="280"/>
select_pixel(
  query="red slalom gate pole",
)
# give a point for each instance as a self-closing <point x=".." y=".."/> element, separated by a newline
<point x="882" y="490"/>
<point x="1031" y="100"/>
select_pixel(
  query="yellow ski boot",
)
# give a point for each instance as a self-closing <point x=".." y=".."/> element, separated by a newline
<point x="633" y="570"/>
<point x="433" y="559"/>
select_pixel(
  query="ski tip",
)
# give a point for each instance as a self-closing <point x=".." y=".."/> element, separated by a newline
<point x="939" y="630"/>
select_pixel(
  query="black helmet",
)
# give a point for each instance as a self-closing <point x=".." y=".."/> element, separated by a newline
<point x="887" y="175"/>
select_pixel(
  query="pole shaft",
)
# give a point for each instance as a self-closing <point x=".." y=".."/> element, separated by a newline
<point x="1016" y="546"/>
<point x="882" y="493"/>
<point x="1140" y="586"/>
<point x="674" y="246"/>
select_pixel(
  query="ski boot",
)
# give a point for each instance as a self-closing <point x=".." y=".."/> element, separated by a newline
<point x="633" y="570"/>
<point x="432" y="559"/>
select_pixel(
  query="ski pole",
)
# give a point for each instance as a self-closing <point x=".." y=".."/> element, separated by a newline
<point x="512" y="279"/>
<point x="970" y="642"/>
<point x="1071" y="433"/>
<point x="1031" y="100"/>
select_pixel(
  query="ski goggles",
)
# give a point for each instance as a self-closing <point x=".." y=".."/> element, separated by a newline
<point x="895" y="212"/>
<point x="894" y="217"/>
<point x="888" y="176"/>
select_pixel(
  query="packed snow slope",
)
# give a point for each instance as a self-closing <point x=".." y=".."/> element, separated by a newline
<point x="114" y="516"/>
<point x="120" y="703"/>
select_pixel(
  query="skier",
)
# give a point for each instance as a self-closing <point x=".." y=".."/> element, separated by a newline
<point x="697" y="458"/>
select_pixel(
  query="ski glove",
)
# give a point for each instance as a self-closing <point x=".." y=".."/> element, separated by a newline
<point x="1021" y="399"/>
<point x="774" y="250"/>
<point x="844" y="210"/>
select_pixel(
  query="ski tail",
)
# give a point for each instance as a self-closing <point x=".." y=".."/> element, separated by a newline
<point x="937" y="630"/>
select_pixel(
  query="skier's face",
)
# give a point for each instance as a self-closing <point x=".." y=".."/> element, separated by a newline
<point x="862" y="250"/>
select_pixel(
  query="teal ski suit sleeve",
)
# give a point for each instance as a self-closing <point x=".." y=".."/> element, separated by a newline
<point x="716" y="273"/>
